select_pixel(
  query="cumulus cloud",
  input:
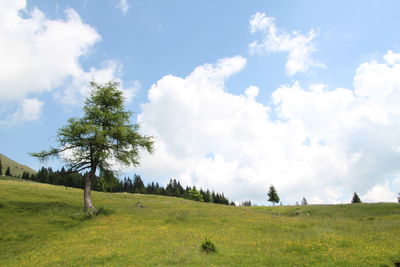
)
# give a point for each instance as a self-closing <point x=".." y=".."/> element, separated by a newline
<point x="123" y="6"/>
<point x="39" y="54"/>
<point x="316" y="142"/>
<point x="392" y="58"/>
<point x="379" y="193"/>
<point x="30" y="109"/>
<point x="299" y="47"/>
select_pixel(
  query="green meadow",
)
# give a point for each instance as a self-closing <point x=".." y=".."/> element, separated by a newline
<point x="42" y="225"/>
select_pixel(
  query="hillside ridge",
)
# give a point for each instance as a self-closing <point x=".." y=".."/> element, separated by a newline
<point x="16" y="168"/>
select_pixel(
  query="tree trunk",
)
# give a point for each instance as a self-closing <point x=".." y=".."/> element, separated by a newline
<point x="86" y="190"/>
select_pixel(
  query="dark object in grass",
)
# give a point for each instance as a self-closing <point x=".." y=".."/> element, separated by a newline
<point x="207" y="246"/>
<point x="139" y="205"/>
<point x="397" y="264"/>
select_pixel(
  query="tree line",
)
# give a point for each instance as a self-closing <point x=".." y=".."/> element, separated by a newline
<point x="135" y="185"/>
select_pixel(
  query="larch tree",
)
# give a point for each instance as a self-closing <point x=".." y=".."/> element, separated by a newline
<point x="103" y="135"/>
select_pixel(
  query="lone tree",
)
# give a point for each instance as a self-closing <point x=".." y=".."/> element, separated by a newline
<point x="356" y="198"/>
<point x="273" y="195"/>
<point x="304" y="201"/>
<point x="104" y="134"/>
<point x="398" y="198"/>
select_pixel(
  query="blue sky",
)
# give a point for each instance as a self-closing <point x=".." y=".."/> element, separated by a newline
<point x="239" y="94"/>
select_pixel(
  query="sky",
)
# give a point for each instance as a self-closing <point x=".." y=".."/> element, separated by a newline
<point x="238" y="95"/>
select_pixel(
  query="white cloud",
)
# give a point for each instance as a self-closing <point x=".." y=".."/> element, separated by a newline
<point x="38" y="55"/>
<point x="30" y="109"/>
<point x="123" y="5"/>
<point x="313" y="142"/>
<point x="379" y="193"/>
<point x="392" y="58"/>
<point x="78" y="88"/>
<point x="396" y="184"/>
<point x="252" y="91"/>
<point x="299" y="47"/>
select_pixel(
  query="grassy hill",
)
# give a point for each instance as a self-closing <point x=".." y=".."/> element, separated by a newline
<point x="16" y="168"/>
<point x="37" y="229"/>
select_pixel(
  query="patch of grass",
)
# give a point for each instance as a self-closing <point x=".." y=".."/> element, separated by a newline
<point x="37" y="229"/>
<point x="105" y="211"/>
<point x="177" y="217"/>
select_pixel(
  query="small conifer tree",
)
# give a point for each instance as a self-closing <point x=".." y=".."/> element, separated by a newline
<point x="356" y="198"/>
<point x="273" y="195"/>
<point x="1" y="168"/>
<point x="304" y="201"/>
<point x="246" y="203"/>
<point x="8" y="172"/>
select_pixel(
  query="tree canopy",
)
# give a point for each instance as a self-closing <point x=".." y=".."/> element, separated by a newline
<point x="104" y="135"/>
<point x="356" y="198"/>
<point x="273" y="195"/>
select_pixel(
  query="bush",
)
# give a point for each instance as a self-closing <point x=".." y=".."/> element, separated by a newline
<point x="207" y="246"/>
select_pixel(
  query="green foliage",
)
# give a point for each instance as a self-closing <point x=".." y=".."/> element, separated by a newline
<point x="207" y="246"/>
<point x="356" y="198"/>
<point x="1" y="168"/>
<point x="273" y="195"/>
<point x="110" y="183"/>
<point x="138" y="185"/>
<point x="104" y="134"/>
<point x="8" y="172"/>
<point x="195" y="195"/>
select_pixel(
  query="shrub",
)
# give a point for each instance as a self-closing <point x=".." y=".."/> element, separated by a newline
<point x="207" y="246"/>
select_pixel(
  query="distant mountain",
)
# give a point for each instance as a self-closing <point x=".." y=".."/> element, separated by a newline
<point x="16" y="168"/>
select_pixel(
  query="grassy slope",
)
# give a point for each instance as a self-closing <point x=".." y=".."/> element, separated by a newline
<point x="16" y="168"/>
<point x="36" y="229"/>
